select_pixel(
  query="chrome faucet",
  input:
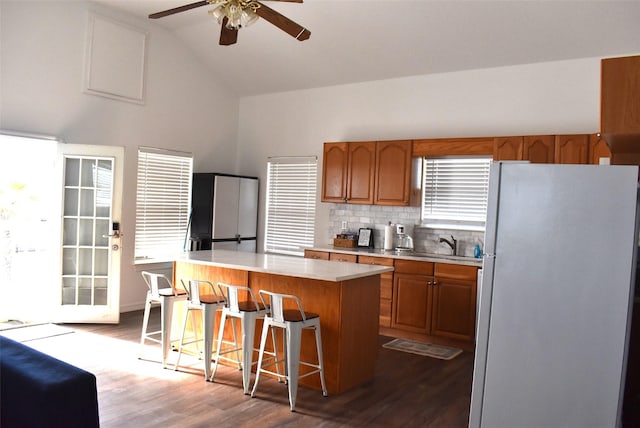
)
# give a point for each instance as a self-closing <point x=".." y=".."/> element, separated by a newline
<point x="453" y="244"/>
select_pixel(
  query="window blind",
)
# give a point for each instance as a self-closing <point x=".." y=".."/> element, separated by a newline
<point x="163" y="201"/>
<point x="291" y="205"/>
<point x="455" y="190"/>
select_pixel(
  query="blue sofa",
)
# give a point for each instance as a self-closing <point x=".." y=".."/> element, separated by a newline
<point x="37" y="390"/>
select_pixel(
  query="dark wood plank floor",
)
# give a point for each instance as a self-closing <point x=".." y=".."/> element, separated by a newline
<point x="407" y="391"/>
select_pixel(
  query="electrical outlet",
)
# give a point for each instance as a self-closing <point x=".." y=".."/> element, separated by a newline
<point x="344" y="225"/>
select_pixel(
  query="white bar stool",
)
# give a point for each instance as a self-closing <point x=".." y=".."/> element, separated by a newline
<point x="248" y="311"/>
<point x="293" y="321"/>
<point x="161" y="292"/>
<point x="208" y="304"/>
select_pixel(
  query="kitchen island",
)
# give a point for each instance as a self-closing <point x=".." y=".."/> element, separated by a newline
<point x="345" y="295"/>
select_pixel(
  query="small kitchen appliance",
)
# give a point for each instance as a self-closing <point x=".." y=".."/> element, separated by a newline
<point x="404" y="243"/>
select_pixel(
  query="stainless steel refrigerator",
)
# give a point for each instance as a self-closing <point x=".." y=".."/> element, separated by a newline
<point x="224" y="212"/>
<point x="556" y="296"/>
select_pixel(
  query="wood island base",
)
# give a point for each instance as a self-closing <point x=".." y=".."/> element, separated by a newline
<point x="348" y="310"/>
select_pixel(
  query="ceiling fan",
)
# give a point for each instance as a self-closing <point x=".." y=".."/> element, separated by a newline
<point x="235" y="14"/>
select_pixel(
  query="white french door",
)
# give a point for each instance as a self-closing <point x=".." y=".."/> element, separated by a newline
<point x="88" y="279"/>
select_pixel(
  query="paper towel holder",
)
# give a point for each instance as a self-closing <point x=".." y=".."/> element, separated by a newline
<point x="365" y="237"/>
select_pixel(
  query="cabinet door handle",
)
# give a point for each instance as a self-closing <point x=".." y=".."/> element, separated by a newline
<point x="435" y="282"/>
<point x="429" y="283"/>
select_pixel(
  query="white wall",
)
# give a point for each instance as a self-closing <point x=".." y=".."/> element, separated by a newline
<point x="42" y="59"/>
<point x="546" y="98"/>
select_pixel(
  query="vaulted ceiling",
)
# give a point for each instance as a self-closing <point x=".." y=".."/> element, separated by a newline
<point x="363" y="40"/>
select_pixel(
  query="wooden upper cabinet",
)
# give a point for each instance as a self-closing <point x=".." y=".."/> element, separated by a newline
<point x="620" y="96"/>
<point x="334" y="172"/>
<point x="368" y="173"/>
<point x="361" y="172"/>
<point x="507" y="148"/>
<point x="538" y="148"/>
<point x="393" y="173"/>
<point x="572" y="148"/>
<point x="598" y="149"/>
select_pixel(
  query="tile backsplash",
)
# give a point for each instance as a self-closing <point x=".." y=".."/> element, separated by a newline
<point x="377" y="216"/>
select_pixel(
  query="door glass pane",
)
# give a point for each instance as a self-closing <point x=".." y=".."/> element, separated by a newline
<point x="84" y="291"/>
<point x="69" y="261"/>
<point x="101" y="262"/>
<point x="70" y="231"/>
<point x="102" y="230"/>
<point x="88" y="172"/>
<point x="86" y="202"/>
<point x="69" y="291"/>
<point x="100" y="291"/>
<point x="85" y="261"/>
<point x="86" y="231"/>
<point x="71" y="202"/>
<point x="103" y="184"/>
<point x="71" y="172"/>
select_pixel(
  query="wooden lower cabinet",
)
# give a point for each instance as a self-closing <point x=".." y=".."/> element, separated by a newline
<point x="339" y="257"/>
<point x="424" y="301"/>
<point x="386" y="287"/>
<point x="435" y="300"/>
<point x="314" y="254"/>
<point x="454" y="301"/>
<point x="411" y="307"/>
<point x="412" y="296"/>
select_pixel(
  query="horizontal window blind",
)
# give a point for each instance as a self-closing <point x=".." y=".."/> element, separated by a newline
<point x="291" y="205"/>
<point x="163" y="200"/>
<point x="455" y="190"/>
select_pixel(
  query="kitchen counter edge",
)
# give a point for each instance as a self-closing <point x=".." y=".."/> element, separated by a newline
<point x="282" y="265"/>
<point x="378" y="252"/>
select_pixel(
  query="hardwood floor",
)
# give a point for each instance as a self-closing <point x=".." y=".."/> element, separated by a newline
<point x="408" y="390"/>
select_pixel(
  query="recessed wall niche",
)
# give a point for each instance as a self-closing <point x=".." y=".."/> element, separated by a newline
<point x="115" y="60"/>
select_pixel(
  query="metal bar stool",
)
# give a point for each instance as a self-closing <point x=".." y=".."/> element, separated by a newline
<point x="208" y="303"/>
<point x="293" y="321"/>
<point x="248" y="311"/>
<point x="161" y="292"/>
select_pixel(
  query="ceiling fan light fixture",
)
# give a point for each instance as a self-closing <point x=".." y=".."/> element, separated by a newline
<point x="239" y="13"/>
<point x="248" y="17"/>
<point x="218" y="13"/>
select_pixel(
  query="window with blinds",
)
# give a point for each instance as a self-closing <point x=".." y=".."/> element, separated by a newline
<point x="163" y="200"/>
<point x="454" y="192"/>
<point x="291" y="205"/>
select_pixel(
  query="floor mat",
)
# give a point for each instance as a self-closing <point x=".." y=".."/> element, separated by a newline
<point x="426" y="349"/>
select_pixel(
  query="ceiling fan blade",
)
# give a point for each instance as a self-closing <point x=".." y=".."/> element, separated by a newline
<point x="283" y="23"/>
<point x="228" y="36"/>
<point x="178" y="9"/>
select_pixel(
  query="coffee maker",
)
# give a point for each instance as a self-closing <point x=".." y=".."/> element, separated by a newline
<point x="404" y="243"/>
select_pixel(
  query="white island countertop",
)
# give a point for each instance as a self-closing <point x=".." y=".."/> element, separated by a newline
<point x="282" y="265"/>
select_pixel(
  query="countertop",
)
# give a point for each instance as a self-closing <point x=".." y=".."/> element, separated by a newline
<point x="282" y="265"/>
<point x="423" y="257"/>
